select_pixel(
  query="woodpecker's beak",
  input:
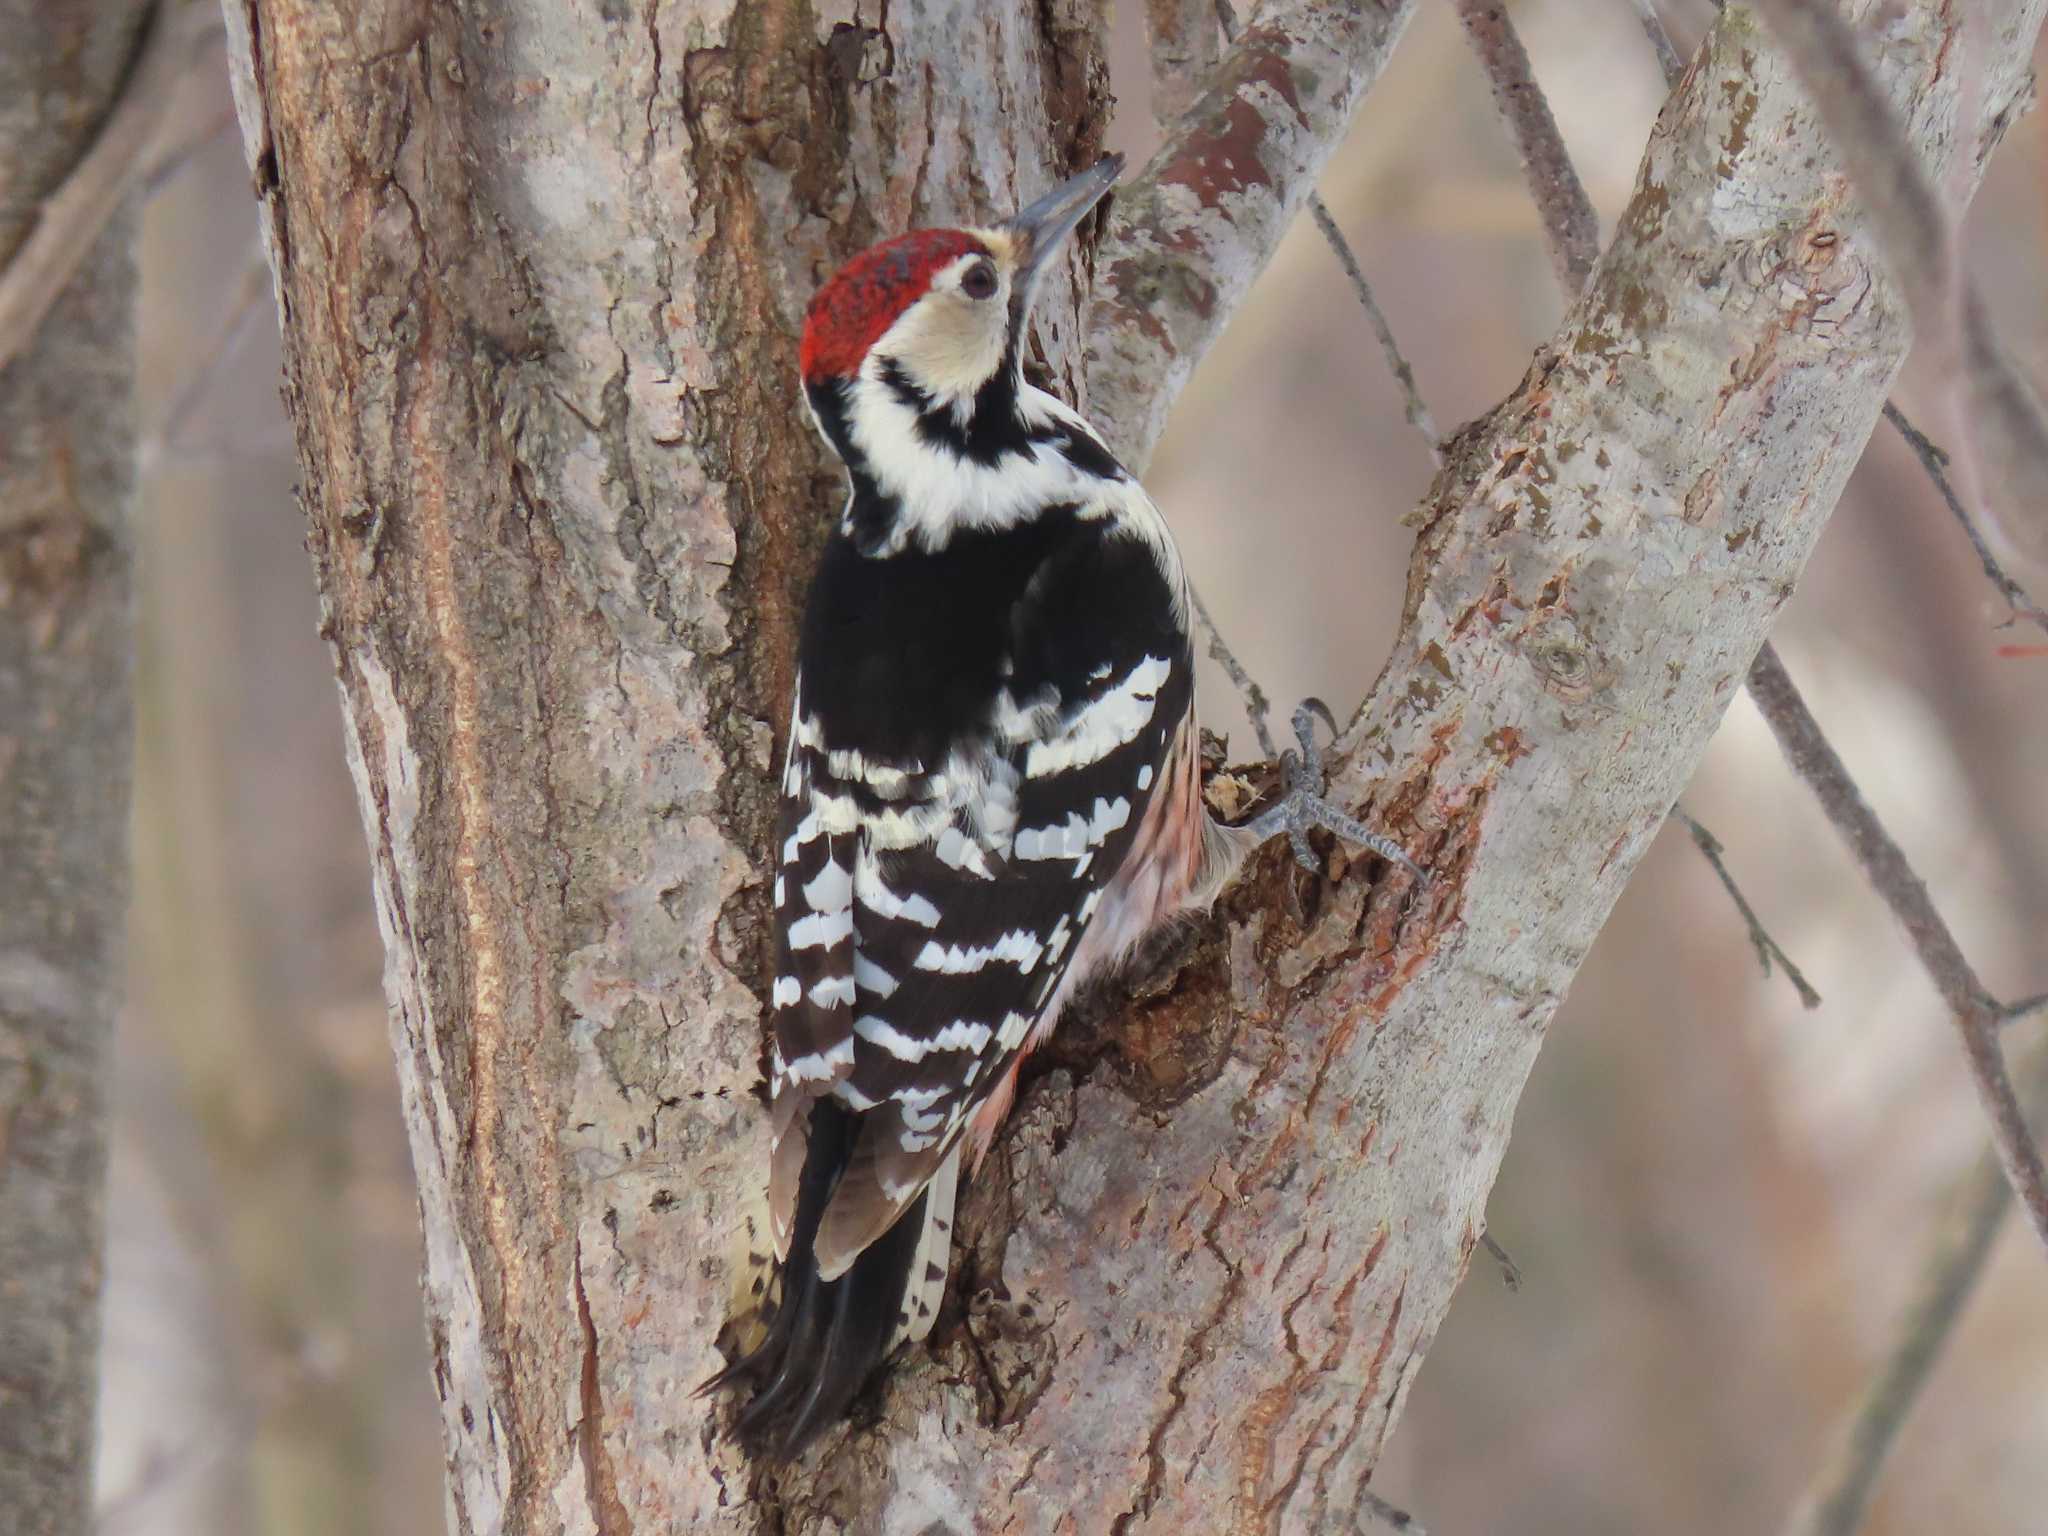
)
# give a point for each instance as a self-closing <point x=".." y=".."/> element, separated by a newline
<point x="1039" y="229"/>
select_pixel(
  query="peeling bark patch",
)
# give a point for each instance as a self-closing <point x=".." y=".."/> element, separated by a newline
<point x="1224" y="159"/>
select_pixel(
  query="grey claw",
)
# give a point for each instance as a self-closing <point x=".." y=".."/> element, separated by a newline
<point x="1305" y="856"/>
<point x="1302" y="806"/>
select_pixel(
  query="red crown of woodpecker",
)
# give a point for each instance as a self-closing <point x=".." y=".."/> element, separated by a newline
<point x="867" y="295"/>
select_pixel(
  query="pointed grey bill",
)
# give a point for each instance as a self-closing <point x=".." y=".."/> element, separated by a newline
<point x="1046" y="223"/>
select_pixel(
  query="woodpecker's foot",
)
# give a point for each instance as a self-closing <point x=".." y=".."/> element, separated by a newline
<point x="1302" y="805"/>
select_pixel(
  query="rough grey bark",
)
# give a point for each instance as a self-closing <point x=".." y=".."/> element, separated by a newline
<point x="66" y="475"/>
<point x="539" y="320"/>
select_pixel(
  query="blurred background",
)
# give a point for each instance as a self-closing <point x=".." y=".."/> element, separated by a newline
<point x="1717" y="1199"/>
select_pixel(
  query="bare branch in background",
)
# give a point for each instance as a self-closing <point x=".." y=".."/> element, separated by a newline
<point x="1668" y="59"/>
<point x="247" y="302"/>
<point x="1570" y="226"/>
<point x="2025" y="1006"/>
<point x="1413" y="408"/>
<point x="1977" y="1013"/>
<point x="1510" y="1271"/>
<point x="2004" y="411"/>
<point x="73" y="216"/>
<point x="1180" y="255"/>
<point x="1257" y="707"/>
<point x="1840" y="1494"/>
<point x="1389" y="1515"/>
<point x="1767" y="948"/>
<point x="1935" y="462"/>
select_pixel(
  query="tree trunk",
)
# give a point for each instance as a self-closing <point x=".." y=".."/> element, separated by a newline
<point x="540" y="271"/>
<point x="67" y="447"/>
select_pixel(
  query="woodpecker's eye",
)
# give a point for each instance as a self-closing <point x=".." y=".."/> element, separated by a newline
<point x="979" y="281"/>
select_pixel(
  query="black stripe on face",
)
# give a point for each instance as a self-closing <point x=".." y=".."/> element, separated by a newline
<point x="992" y="429"/>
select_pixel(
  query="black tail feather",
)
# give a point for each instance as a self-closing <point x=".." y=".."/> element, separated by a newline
<point x="827" y="1336"/>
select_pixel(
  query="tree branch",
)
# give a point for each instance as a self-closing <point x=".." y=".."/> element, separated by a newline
<point x="1837" y="1500"/>
<point x="1983" y="398"/>
<point x="1935" y="462"/>
<point x="1976" y="1012"/>
<point x="1570" y="226"/>
<point x="67" y="643"/>
<point x="1821" y="46"/>
<point x="1668" y="59"/>
<point x="1766" y="947"/>
<point x="1413" y="408"/>
<point x="72" y="217"/>
<point x="1188" y="235"/>
<point x="1932" y="459"/>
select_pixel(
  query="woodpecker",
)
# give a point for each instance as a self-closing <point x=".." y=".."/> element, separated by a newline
<point x="991" y="794"/>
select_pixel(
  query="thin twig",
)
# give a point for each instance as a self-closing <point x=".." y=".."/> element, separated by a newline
<point x="1977" y="1014"/>
<point x="1510" y="1271"/>
<point x="1411" y="397"/>
<point x="1570" y="226"/>
<point x="1390" y="1515"/>
<point x="1256" y="705"/>
<point x="1840" y="1494"/>
<point x="1935" y="462"/>
<point x="71" y="218"/>
<point x="172" y="162"/>
<point x="2013" y="1012"/>
<point x="1767" y="948"/>
<point x="1653" y="28"/>
<point x="249" y="294"/>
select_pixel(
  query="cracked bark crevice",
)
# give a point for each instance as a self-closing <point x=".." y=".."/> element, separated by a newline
<point x="600" y="1485"/>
